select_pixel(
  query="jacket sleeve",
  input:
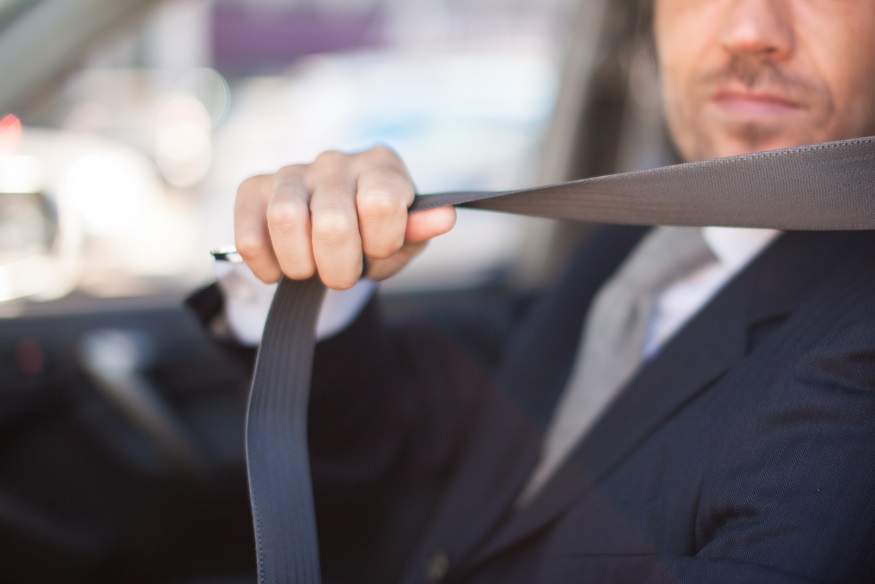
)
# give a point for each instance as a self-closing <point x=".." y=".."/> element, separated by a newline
<point x="394" y="394"/>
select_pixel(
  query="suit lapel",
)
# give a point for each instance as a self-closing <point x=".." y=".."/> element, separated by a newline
<point x="504" y="446"/>
<point x="493" y="469"/>
<point x="705" y="349"/>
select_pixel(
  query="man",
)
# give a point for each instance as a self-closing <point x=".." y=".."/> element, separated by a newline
<point x="740" y="449"/>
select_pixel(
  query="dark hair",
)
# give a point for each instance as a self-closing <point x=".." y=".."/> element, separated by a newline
<point x="644" y="28"/>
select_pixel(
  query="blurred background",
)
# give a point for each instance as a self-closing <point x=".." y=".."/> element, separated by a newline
<point x="125" y="127"/>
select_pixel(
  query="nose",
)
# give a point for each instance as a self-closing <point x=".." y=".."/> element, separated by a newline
<point x="760" y="28"/>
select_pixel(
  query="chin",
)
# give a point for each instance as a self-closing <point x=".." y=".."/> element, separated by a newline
<point x="752" y="140"/>
<point x="703" y="137"/>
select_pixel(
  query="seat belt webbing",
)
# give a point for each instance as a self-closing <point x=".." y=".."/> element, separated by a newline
<point x="828" y="186"/>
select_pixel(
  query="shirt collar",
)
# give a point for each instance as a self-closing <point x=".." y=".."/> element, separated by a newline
<point x="736" y="246"/>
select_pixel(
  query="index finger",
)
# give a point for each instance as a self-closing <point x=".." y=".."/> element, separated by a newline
<point x="251" y="235"/>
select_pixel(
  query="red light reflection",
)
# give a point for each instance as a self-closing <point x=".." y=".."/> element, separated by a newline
<point x="10" y="134"/>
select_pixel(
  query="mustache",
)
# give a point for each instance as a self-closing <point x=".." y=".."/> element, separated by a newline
<point x="763" y="74"/>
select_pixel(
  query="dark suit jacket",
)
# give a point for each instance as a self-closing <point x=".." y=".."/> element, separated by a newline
<point x="744" y="452"/>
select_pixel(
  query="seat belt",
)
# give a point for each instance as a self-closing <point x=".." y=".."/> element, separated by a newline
<point x="828" y="186"/>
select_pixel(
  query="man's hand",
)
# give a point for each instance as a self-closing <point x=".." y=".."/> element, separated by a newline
<point x="328" y="216"/>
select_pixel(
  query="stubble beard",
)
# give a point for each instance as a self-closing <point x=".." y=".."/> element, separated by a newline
<point x="700" y="136"/>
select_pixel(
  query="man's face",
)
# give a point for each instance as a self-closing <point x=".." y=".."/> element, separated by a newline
<point x="746" y="75"/>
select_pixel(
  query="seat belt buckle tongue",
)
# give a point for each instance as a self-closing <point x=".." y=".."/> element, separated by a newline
<point x="226" y="253"/>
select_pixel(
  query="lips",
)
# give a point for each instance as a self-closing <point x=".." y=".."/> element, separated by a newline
<point x="740" y="104"/>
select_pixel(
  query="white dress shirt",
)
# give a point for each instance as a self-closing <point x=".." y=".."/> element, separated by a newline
<point x="733" y="249"/>
<point x="247" y="301"/>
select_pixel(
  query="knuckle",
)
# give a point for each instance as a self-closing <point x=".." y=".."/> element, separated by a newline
<point x="334" y="227"/>
<point x="249" y="245"/>
<point x="291" y="170"/>
<point x="386" y="158"/>
<point x="250" y="183"/>
<point x="249" y="188"/>
<point x="247" y="185"/>
<point x="382" y="152"/>
<point x="290" y="174"/>
<point x="287" y="214"/>
<point x="381" y="205"/>
<point x="330" y="158"/>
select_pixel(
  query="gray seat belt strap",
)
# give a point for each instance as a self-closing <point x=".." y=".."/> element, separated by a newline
<point x="827" y="186"/>
<point x="280" y="490"/>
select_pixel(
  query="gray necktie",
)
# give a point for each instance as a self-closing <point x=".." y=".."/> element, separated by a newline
<point x="613" y="339"/>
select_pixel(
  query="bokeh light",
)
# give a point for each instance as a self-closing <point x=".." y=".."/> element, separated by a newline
<point x="110" y="190"/>
<point x="10" y="134"/>
<point x="183" y="144"/>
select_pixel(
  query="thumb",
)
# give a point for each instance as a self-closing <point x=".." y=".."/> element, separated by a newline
<point x="425" y="225"/>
